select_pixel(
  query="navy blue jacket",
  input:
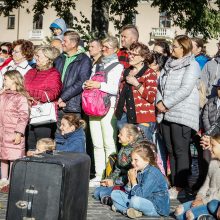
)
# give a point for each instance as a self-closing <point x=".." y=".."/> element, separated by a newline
<point x="72" y="142"/>
<point x="76" y="74"/>
<point x="153" y="186"/>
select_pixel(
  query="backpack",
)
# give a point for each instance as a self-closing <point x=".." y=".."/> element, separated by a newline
<point x="110" y="166"/>
<point x="94" y="101"/>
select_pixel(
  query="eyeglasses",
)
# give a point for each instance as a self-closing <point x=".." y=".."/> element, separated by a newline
<point x="16" y="51"/>
<point x="133" y="54"/>
<point x="3" y="51"/>
<point x="174" y="46"/>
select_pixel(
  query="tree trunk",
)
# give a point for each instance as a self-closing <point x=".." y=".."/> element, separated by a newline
<point x="100" y="18"/>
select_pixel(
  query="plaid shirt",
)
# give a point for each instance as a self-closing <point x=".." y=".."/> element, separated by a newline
<point x="123" y="57"/>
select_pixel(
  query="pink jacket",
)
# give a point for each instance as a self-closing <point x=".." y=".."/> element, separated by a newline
<point x="14" y="115"/>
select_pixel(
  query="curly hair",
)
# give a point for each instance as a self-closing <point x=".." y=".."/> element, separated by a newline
<point x="27" y="48"/>
<point x="143" y="50"/>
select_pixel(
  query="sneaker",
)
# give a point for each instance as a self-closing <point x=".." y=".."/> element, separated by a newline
<point x="174" y="194"/>
<point x="133" y="213"/>
<point x="113" y="208"/>
<point x="206" y="217"/>
<point x="106" y="200"/>
<point x="95" y="182"/>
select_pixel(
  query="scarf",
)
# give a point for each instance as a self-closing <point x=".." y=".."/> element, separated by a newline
<point x="108" y="59"/>
<point x="126" y="97"/>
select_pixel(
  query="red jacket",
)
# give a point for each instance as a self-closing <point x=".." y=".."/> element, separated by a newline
<point x="145" y="103"/>
<point x="38" y="82"/>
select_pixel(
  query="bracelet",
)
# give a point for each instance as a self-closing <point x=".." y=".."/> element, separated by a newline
<point x="138" y="86"/>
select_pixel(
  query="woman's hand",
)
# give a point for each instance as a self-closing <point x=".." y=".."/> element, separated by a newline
<point x="90" y="84"/>
<point x="132" y="80"/>
<point x="205" y="142"/>
<point x="132" y="176"/>
<point x="161" y="107"/>
<point x="17" y="139"/>
<point x="107" y="182"/>
<point x="61" y="103"/>
<point x="197" y="202"/>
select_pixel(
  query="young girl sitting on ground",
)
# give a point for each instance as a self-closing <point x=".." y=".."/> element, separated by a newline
<point x="72" y="137"/>
<point x="14" y="114"/>
<point x="210" y="189"/>
<point x="43" y="145"/>
<point x="128" y="136"/>
<point x="147" y="190"/>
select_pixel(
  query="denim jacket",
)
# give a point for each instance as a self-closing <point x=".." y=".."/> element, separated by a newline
<point x="72" y="142"/>
<point x="153" y="186"/>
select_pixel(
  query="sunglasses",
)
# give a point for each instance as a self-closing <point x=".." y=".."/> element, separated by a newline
<point x="3" y="51"/>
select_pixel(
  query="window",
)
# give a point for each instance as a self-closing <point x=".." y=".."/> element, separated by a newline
<point x="165" y="20"/>
<point x="38" y="23"/>
<point x="11" y="22"/>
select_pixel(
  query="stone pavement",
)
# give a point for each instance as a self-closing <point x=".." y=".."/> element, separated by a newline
<point x="97" y="211"/>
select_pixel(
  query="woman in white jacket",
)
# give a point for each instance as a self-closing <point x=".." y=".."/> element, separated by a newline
<point x="178" y="108"/>
<point x="104" y="129"/>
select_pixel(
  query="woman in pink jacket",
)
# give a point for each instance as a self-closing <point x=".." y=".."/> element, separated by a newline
<point x="44" y="79"/>
<point x="14" y="115"/>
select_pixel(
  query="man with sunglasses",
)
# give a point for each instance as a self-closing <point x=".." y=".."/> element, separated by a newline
<point x="5" y="54"/>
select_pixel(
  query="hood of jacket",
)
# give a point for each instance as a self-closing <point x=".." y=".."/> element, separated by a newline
<point x="59" y="23"/>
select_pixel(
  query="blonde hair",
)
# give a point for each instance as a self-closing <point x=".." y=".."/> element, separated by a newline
<point x="50" y="52"/>
<point x="133" y="131"/>
<point x="47" y="143"/>
<point x="18" y="80"/>
<point x="112" y="41"/>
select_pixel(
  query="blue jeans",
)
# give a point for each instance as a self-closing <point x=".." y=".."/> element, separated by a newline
<point x="213" y="207"/>
<point x="102" y="191"/>
<point x="122" y="201"/>
<point x="197" y="211"/>
<point x="148" y="130"/>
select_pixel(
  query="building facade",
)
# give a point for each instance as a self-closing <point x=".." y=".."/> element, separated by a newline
<point x="151" y="24"/>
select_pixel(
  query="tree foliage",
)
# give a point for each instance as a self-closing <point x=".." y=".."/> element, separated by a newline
<point x="196" y="16"/>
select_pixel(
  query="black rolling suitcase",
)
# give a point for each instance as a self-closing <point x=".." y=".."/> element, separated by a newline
<point x="49" y="187"/>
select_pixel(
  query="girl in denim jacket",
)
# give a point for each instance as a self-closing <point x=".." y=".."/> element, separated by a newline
<point x="128" y="136"/>
<point x="147" y="190"/>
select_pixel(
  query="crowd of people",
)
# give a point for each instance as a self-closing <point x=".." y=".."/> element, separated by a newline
<point x="156" y="104"/>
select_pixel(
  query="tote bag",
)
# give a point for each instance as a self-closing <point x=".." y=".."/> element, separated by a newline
<point x="43" y="113"/>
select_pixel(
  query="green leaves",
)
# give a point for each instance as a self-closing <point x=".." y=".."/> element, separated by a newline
<point x="196" y="17"/>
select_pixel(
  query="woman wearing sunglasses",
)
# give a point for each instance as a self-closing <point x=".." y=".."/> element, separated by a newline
<point x="5" y="54"/>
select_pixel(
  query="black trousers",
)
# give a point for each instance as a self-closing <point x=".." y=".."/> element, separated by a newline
<point x="34" y="133"/>
<point x="177" y="141"/>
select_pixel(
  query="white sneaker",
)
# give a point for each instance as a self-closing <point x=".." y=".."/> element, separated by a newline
<point x="133" y="213"/>
<point x="174" y="194"/>
<point x="95" y="182"/>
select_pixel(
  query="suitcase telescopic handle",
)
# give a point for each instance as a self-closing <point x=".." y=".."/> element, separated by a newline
<point x="28" y="204"/>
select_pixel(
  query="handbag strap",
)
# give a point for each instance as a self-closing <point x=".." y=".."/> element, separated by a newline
<point x="48" y="100"/>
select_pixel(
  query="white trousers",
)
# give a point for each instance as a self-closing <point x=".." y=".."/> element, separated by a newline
<point x="104" y="135"/>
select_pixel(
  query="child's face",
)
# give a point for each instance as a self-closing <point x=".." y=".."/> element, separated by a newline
<point x="65" y="127"/>
<point x="9" y="83"/>
<point x="123" y="136"/>
<point x="57" y="31"/>
<point x="215" y="149"/>
<point x="138" y="162"/>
